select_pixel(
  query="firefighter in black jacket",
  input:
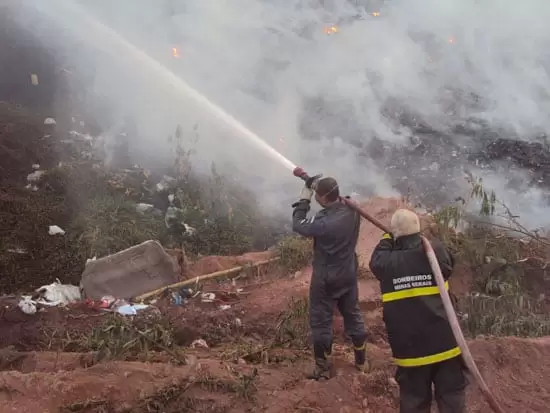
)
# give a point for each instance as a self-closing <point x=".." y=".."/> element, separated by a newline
<point x="335" y="230"/>
<point x="423" y="346"/>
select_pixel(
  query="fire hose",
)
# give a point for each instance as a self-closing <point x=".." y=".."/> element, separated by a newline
<point x="434" y="264"/>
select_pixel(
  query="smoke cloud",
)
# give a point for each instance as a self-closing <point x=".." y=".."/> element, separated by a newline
<point x="320" y="81"/>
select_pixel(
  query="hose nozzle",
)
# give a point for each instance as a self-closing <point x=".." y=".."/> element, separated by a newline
<point x="310" y="181"/>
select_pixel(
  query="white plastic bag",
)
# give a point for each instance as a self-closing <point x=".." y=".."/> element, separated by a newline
<point x="27" y="305"/>
<point x="59" y="294"/>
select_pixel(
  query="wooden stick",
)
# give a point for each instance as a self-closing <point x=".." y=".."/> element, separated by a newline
<point x="211" y="276"/>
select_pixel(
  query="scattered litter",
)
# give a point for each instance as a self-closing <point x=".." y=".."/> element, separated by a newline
<point x="91" y="259"/>
<point x="188" y="292"/>
<point x="30" y="187"/>
<point x="177" y="299"/>
<point x="35" y="176"/>
<point x="27" y="305"/>
<point x="224" y="307"/>
<point x="174" y="219"/>
<point x="208" y="297"/>
<point x="50" y="121"/>
<point x="36" y="166"/>
<point x="59" y="294"/>
<point x="55" y="230"/>
<point x="165" y="183"/>
<point x="83" y="136"/>
<point x="143" y="209"/>
<point x="238" y="322"/>
<point x="131" y="309"/>
<point x="199" y="343"/>
<point x="106" y="302"/>
<point x="17" y="251"/>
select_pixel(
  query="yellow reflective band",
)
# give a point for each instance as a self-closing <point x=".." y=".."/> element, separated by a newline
<point x="363" y="347"/>
<point x="424" y="361"/>
<point x="411" y="293"/>
<point x="386" y="236"/>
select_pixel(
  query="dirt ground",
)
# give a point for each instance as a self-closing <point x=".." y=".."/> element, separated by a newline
<point x="56" y="361"/>
<point x="211" y="381"/>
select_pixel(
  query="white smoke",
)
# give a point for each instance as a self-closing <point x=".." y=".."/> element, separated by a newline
<point x="317" y="82"/>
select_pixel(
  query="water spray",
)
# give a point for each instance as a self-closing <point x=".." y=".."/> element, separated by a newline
<point x="108" y="39"/>
<point x="434" y="264"/>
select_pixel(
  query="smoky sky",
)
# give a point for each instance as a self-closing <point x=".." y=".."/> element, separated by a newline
<point x="320" y="80"/>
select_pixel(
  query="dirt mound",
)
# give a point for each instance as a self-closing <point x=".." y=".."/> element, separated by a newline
<point x="515" y="369"/>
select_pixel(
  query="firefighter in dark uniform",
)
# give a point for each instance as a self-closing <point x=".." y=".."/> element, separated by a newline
<point x="335" y="230"/>
<point x="423" y="346"/>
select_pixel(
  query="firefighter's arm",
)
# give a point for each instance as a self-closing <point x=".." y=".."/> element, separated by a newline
<point x="444" y="258"/>
<point x="381" y="256"/>
<point x="307" y="227"/>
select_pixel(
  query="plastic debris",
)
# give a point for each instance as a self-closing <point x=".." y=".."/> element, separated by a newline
<point x="50" y="121"/>
<point x="166" y="183"/>
<point x="238" y="322"/>
<point x="36" y="166"/>
<point x="224" y="307"/>
<point x="187" y="292"/>
<point x="208" y="297"/>
<point x="177" y="299"/>
<point x="17" y="251"/>
<point x="131" y="309"/>
<point x="81" y="136"/>
<point x="199" y="343"/>
<point x="143" y="209"/>
<point x="59" y="294"/>
<point x="27" y="305"/>
<point x="35" y="176"/>
<point x="174" y="219"/>
<point x="30" y="187"/>
<point x="91" y="259"/>
<point x="107" y="301"/>
<point x="55" y="230"/>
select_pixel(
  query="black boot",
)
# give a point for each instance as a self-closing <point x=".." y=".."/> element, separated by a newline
<point x="361" y="362"/>
<point x="323" y="367"/>
<point x="321" y="371"/>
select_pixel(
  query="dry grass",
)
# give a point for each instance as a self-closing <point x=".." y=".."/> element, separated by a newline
<point x="503" y="302"/>
<point x="292" y="329"/>
<point x="121" y="338"/>
<point x="295" y="252"/>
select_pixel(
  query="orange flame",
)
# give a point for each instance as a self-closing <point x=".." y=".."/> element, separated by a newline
<point x="331" y="30"/>
<point x="376" y="13"/>
<point x="175" y="52"/>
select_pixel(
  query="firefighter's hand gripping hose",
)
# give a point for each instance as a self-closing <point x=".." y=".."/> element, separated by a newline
<point x="457" y="332"/>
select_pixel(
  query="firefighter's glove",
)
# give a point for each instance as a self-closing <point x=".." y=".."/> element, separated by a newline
<point x="387" y="241"/>
<point x="306" y="194"/>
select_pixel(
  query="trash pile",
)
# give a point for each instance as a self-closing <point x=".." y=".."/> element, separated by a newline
<point x="121" y="282"/>
<point x="52" y="295"/>
<point x="154" y="195"/>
